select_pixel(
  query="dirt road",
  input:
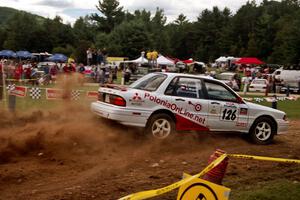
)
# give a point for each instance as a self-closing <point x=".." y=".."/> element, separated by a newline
<point x="70" y="154"/>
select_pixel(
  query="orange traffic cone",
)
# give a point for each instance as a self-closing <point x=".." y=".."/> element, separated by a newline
<point x="217" y="174"/>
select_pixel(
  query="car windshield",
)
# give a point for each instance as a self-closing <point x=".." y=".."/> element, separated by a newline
<point x="149" y="82"/>
<point x="224" y="76"/>
<point x="260" y="82"/>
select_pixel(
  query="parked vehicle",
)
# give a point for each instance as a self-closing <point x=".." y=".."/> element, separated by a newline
<point x="230" y="79"/>
<point x="289" y="78"/>
<point x="258" y="85"/>
<point x="165" y="102"/>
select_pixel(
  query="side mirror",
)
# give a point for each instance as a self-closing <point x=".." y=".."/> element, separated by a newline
<point x="240" y="100"/>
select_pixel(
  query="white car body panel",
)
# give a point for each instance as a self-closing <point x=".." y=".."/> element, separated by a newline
<point x="190" y="113"/>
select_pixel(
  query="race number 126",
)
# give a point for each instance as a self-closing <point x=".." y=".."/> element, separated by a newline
<point x="228" y="114"/>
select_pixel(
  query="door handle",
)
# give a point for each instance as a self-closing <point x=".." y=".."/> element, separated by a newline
<point x="179" y="100"/>
<point x="215" y="103"/>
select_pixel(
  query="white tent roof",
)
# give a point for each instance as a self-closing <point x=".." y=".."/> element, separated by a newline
<point x="161" y="60"/>
<point x="139" y="60"/>
<point x="225" y="59"/>
<point x="221" y="59"/>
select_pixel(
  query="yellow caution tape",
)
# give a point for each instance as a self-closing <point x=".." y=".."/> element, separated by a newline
<point x="20" y="80"/>
<point x="264" y="158"/>
<point x="157" y="192"/>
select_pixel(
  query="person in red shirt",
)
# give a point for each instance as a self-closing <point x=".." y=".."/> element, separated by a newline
<point x="18" y="71"/>
<point x="27" y="72"/>
<point x="53" y="73"/>
<point x="66" y="69"/>
<point x="72" y="67"/>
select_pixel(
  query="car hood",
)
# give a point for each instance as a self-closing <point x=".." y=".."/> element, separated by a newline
<point x="265" y="108"/>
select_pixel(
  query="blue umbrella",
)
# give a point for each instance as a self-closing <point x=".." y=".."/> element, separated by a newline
<point x="7" y="54"/>
<point x="24" y="54"/>
<point x="58" y="58"/>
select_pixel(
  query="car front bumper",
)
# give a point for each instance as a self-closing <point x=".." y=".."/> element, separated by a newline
<point x="282" y="126"/>
<point x="123" y="115"/>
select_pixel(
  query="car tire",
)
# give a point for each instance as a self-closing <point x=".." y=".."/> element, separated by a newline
<point x="262" y="131"/>
<point x="160" y="126"/>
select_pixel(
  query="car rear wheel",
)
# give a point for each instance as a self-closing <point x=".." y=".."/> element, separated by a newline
<point x="160" y="126"/>
<point x="262" y="131"/>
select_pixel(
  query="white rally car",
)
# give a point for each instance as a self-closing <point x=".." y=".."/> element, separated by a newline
<point x="166" y="102"/>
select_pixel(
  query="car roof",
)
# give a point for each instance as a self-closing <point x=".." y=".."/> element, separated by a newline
<point x="228" y="73"/>
<point x="259" y="79"/>
<point x="170" y="74"/>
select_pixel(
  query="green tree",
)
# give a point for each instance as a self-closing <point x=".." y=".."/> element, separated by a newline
<point x="68" y="50"/>
<point x="84" y="29"/>
<point x="158" y="35"/>
<point x="21" y="28"/>
<point x="102" y="40"/>
<point x="80" y="51"/>
<point x="128" y="39"/>
<point x="111" y="15"/>
<point x="181" y="20"/>
<point x="287" y="41"/>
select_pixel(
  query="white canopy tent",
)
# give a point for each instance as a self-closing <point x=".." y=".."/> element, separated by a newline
<point x="161" y="60"/>
<point x="221" y="59"/>
<point x="225" y="59"/>
<point x="140" y="60"/>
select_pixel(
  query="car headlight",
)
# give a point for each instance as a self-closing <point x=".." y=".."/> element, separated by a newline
<point x="285" y="118"/>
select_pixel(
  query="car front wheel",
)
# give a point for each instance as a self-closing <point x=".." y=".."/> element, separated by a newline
<point x="262" y="131"/>
<point x="160" y="126"/>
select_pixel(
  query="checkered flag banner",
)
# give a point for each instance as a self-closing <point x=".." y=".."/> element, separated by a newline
<point x="35" y="93"/>
<point x="10" y="87"/>
<point x="75" y="95"/>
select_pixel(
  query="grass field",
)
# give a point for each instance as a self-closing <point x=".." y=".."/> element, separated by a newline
<point x="279" y="190"/>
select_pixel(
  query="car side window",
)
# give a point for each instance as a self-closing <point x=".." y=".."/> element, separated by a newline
<point x="152" y="83"/>
<point x="185" y="87"/>
<point x="217" y="91"/>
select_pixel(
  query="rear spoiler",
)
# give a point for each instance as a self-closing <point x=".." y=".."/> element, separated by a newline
<point x="114" y="86"/>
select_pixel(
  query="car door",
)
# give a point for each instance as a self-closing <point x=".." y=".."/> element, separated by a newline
<point x="188" y="103"/>
<point x="226" y="112"/>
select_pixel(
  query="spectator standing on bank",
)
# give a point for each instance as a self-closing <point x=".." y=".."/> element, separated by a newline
<point x="99" y="57"/>
<point x="102" y="75"/>
<point x="104" y="54"/>
<point x="89" y="56"/>
<point x="94" y="57"/>
<point x="127" y="75"/>
<point x="114" y="74"/>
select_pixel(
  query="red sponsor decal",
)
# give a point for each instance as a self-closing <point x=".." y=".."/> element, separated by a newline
<point x="92" y="94"/>
<point x="136" y="97"/>
<point x="176" y="109"/>
<point x="52" y="94"/>
<point x="241" y="124"/>
<point x="243" y="111"/>
<point x="136" y="100"/>
<point x="183" y="124"/>
<point x="19" y="91"/>
<point x="197" y="106"/>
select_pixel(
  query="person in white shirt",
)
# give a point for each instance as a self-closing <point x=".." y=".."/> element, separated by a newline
<point x="246" y="83"/>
